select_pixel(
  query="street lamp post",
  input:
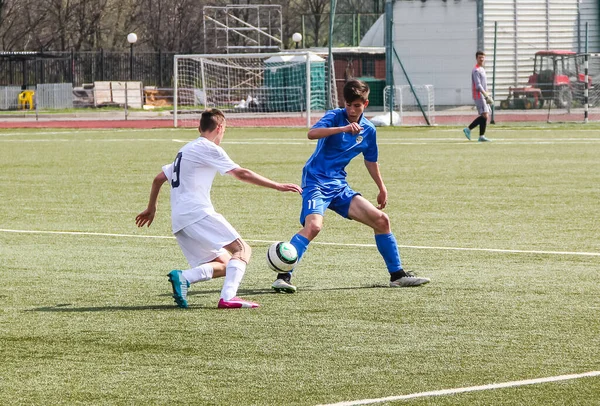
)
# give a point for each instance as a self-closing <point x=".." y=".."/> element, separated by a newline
<point x="132" y="39"/>
<point x="297" y="37"/>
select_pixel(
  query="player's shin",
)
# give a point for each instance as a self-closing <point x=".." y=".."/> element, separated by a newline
<point x="301" y="244"/>
<point x="233" y="277"/>
<point x="388" y="248"/>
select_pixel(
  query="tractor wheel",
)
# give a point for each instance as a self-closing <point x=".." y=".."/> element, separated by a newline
<point x="527" y="104"/>
<point x="564" y="97"/>
<point x="504" y="104"/>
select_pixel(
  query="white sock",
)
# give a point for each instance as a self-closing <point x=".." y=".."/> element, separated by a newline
<point x="200" y="273"/>
<point x="233" y="277"/>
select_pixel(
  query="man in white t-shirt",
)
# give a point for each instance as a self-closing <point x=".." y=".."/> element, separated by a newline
<point x="212" y="247"/>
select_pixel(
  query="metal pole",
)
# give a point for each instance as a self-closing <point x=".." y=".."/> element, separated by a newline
<point x="175" y="83"/>
<point x="308" y="91"/>
<point x="494" y="71"/>
<point x="412" y="89"/>
<point x="102" y="67"/>
<point x="586" y="91"/>
<point x="389" y="57"/>
<point x="303" y="33"/>
<point x="332" y="4"/>
<point x="358" y="29"/>
<point x="131" y="61"/>
<point x="126" y="99"/>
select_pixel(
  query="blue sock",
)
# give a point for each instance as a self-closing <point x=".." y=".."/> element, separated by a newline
<point x="388" y="248"/>
<point x="300" y="243"/>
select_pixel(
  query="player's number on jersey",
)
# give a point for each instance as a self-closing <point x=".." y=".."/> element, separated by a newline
<point x="176" y="169"/>
<point x="312" y="204"/>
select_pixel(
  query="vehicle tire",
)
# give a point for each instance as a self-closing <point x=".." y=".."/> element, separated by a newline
<point x="504" y="105"/>
<point x="564" y="97"/>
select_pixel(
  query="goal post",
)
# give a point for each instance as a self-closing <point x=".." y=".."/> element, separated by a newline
<point x="253" y="90"/>
<point x="409" y="108"/>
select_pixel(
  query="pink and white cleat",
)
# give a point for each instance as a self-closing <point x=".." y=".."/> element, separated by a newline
<point x="236" y="303"/>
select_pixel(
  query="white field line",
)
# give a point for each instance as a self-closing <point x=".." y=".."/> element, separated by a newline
<point x="437" y="141"/>
<point x="91" y="131"/>
<point x="580" y="253"/>
<point x="296" y="141"/>
<point x="455" y="391"/>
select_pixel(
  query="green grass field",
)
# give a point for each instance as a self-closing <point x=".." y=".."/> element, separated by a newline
<point x="508" y="231"/>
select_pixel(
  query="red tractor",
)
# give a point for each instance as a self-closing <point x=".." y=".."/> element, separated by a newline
<point x="560" y="77"/>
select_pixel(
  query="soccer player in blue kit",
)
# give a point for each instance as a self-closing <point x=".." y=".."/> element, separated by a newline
<point x="343" y="134"/>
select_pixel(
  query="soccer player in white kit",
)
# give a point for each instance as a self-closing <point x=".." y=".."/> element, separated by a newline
<point x="212" y="247"/>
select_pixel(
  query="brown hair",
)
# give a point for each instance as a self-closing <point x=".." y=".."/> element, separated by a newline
<point x="355" y="89"/>
<point x="479" y="53"/>
<point x="211" y="119"/>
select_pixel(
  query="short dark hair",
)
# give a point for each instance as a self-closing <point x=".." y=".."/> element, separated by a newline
<point x="355" y="89"/>
<point x="479" y="53"/>
<point x="211" y="119"/>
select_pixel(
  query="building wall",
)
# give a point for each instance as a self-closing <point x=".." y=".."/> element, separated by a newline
<point x="436" y="40"/>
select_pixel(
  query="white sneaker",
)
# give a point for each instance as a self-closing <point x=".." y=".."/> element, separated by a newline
<point x="281" y="285"/>
<point x="409" y="280"/>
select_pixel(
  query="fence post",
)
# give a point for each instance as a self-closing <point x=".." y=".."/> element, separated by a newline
<point x="492" y="121"/>
<point x="160" y="69"/>
<point x="102" y="64"/>
<point x="73" y="67"/>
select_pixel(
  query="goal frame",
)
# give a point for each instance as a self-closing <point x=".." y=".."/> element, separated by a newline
<point x="202" y="57"/>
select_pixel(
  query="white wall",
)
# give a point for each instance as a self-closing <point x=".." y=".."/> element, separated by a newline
<point x="436" y="41"/>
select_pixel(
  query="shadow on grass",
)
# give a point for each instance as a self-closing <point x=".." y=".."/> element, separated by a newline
<point x="66" y="307"/>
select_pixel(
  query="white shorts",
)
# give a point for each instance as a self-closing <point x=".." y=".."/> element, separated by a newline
<point x="204" y="240"/>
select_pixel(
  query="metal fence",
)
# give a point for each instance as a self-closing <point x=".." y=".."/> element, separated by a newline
<point x="78" y="68"/>
<point x="9" y="97"/>
<point x="54" y="96"/>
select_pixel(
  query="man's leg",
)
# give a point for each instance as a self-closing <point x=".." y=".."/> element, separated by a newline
<point x="482" y="128"/>
<point x="236" y="267"/>
<point x="312" y="226"/>
<point x="364" y="212"/>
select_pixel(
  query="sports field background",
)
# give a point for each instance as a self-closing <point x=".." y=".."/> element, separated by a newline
<point x="508" y="231"/>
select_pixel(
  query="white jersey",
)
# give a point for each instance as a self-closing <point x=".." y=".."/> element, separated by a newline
<point x="191" y="176"/>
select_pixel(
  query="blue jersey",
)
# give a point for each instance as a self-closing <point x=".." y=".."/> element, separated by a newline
<point x="326" y="166"/>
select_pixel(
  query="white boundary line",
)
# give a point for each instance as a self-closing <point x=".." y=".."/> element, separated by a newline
<point x="454" y="391"/>
<point x="423" y="247"/>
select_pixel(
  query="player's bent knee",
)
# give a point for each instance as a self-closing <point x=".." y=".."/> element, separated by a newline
<point x="312" y="229"/>
<point x="240" y="250"/>
<point x="382" y="223"/>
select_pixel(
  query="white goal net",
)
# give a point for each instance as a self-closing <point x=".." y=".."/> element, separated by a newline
<point x="411" y="110"/>
<point x="253" y="90"/>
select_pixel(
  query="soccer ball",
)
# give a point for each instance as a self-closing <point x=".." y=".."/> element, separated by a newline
<point x="282" y="257"/>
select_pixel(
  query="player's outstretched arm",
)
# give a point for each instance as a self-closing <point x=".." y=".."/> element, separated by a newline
<point x="248" y="176"/>
<point x="147" y="216"/>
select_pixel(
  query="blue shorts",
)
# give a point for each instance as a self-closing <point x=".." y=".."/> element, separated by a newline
<point x="315" y="200"/>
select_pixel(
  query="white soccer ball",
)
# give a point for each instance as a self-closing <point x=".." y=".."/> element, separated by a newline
<point x="282" y="257"/>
